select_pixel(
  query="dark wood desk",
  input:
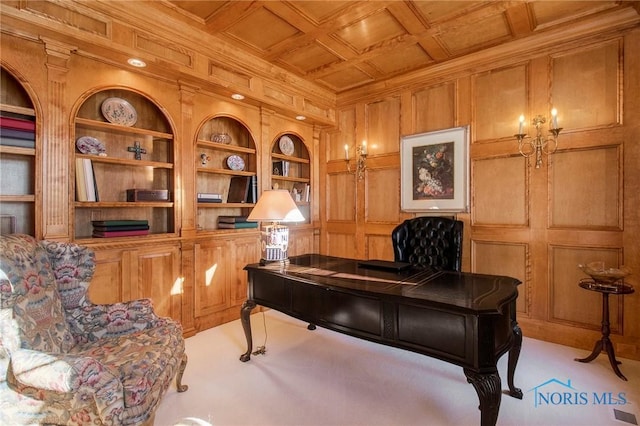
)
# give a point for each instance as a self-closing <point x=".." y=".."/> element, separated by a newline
<point x="465" y="319"/>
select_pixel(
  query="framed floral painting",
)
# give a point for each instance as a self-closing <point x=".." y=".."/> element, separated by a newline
<point x="435" y="171"/>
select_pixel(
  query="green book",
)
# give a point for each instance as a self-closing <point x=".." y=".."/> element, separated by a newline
<point x="122" y="222"/>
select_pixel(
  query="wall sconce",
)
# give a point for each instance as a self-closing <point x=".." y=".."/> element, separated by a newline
<point x="361" y="160"/>
<point x="539" y="144"/>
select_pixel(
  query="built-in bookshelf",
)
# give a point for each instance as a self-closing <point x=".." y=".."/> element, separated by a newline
<point x="130" y="146"/>
<point x="291" y="170"/>
<point x="18" y="181"/>
<point x="225" y="152"/>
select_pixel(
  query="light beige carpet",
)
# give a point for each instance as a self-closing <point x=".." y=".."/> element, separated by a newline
<point x="325" y="378"/>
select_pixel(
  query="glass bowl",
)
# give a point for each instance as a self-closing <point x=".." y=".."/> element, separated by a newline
<point x="600" y="274"/>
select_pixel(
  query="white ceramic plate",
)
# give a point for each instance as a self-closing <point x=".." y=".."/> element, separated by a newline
<point x="90" y="145"/>
<point x="119" y="111"/>
<point x="235" y="162"/>
<point x="286" y="145"/>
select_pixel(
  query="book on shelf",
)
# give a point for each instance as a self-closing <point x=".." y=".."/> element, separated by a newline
<point x="17" y="124"/>
<point x="120" y="228"/>
<point x="120" y="222"/>
<point x="238" y="225"/>
<point x="81" y="185"/>
<point x="107" y="234"/>
<point x="86" y="188"/>
<point x="90" y="180"/>
<point x="253" y="190"/>
<point x="232" y="219"/>
<point x="205" y="197"/>
<point x="239" y="189"/>
<point x="28" y="135"/>
<point x="22" y="143"/>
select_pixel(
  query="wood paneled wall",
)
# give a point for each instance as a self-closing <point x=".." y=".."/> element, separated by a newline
<point x="533" y="224"/>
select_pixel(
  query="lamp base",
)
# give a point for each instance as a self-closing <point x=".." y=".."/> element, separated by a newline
<point x="275" y="242"/>
<point x="265" y="262"/>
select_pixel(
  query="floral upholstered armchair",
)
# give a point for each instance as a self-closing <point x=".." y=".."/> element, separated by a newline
<point x="65" y="360"/>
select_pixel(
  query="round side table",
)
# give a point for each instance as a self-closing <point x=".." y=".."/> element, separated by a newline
<point x="605" y="343"/>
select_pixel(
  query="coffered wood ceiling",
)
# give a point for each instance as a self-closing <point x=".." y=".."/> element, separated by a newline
<point x="342" y="45"/>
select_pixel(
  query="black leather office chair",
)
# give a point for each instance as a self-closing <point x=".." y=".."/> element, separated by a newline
<point x="429" y="242"/>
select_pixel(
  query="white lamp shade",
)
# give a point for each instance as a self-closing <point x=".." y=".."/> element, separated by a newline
<point x="277" y="206"/>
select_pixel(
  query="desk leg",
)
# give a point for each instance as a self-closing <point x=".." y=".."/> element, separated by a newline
<point x="245" y="318"/>
<point x="487" y="387"/>
<point x="514" y="354"/>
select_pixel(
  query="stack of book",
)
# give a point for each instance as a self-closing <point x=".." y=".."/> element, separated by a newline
<point x="235" y="222"/>
<point x="206" y="197"/>
<point x="119" y="228"/>
<point x="17" y="131"/>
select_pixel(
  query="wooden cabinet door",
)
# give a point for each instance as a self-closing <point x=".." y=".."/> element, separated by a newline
<point x="107" y="285"/>
<point x="211" y="290"/>
<point x="246" y="250"/>
<point x="159" y="278"/>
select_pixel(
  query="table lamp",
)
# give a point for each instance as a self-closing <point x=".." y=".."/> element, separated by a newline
<point x="275" y="206"/>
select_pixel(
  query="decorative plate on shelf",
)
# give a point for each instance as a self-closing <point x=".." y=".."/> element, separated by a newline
<point x="90" y="145"/>
<point x="119" y="111"/>
<point x="235" y="162"/>
<point x="286" y="145"/>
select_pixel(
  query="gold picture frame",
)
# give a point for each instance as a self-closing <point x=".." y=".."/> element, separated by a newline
<point x="435" y="171"/>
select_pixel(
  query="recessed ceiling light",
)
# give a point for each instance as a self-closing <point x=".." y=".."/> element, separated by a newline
<point x="300" y="117"/>
<point x="138" y="63"/>
<point x="237" y="96"/>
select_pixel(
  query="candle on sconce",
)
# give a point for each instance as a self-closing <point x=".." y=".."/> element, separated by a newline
<point x="521" y="124"/>
<point x="554" y="118"/>
<point x="346" y="152"/>
<point x="364" y="148"/>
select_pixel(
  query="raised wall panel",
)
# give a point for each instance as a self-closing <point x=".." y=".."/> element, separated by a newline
<point x="346" y="136"/>
<point x="341" y="245"/>
<point x="379" y="247"/>
<point x="586" y="87"/>
<point x="510" y="259"/>
<point x="434" y="108"/>
<point x="383" y="186"/>
<point x="383" y="126"/>
<point x="585" y="188"/>
<point x="341" y="197"/>
<point x="500" y="99"/>
<point x="500" y="190"/>
<point x="571" y="303"/>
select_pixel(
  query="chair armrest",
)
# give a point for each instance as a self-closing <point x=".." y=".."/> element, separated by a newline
<point x="50" y="374"/>
<point x="91" y="322"/>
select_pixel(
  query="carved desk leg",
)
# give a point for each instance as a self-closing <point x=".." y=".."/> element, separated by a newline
<point x="245" y="318"/>
<point x="487" y="387"/>
<point x="514" y="354"/>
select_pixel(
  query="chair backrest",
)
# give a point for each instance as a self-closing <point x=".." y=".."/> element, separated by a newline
<point x="429" y="242"/>
<point x="32" y="312"/>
